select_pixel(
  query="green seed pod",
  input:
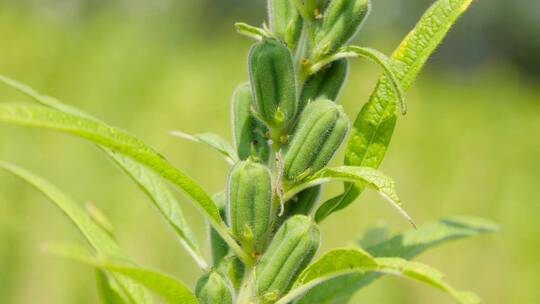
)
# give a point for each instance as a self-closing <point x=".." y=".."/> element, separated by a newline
<point x="218" y="247"/>
<point x="292" y="248"/>
<point x="285" y="21"/>
<point x="250" y="207"/>
<point x="213" y="288"/>
<point x="340" y="22"/>
<point x="273" y="83"/>
<point x="326" y="83"/>
<point x="321" y="129"/>
<point x="248" y="132"/>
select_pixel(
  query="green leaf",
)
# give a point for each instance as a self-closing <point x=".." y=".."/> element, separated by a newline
<point x="96" y="236"/>
<point x="164" y="200"/>
<point x="213" y="141"/>
<point x="112" y="138"/>
<point x="153" y="161"/>
<point x="343" y="262"/>
<point x="374" y="125"/>
<point x="406" y="245"/>
<point x="374" y="179"/>
<point x="413" y="242"/>
<point x="169" y="288"/>
<point x="151" y="184"/>
<point x="107" y="291"/>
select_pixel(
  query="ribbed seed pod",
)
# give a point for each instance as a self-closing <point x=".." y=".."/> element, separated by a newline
<point x="340" y="22"/>
<point x="326" y="83"/>
<point x="248" y="132"/>
<point x="218" y="247"/>
<point x="250" y="207"/>
<point x="321" y="129"/>
<point x="213" y="288"/>
<point x="273" y="83"/>
<point x="292" y="248"/>
<point x="285" y="21"/>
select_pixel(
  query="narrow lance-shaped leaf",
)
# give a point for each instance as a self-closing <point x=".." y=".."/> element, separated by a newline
<point x="107" y="293"/>
<point x="96" y="236"/>
<point x="213" y="141"/>
<point x="342" y="262"/>
<point x="406" y="245"/>
<point x="164" y="200"/>
<point x="374" y="125"/>
<point x="148" y="181"/>
<point x="122" y="142"/>
<point x="374" y="179"/>
<point x="167" y="287"/>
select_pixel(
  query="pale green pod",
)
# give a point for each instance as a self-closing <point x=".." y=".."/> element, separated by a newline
<point x="290" y="251"/>
<point x="326" y="83"/>
<point x="273" y="83"/>
<point x="340" y="22"/>
<point x="218" y="247"/>
<point x="250" y="206"/>
<point x="213" y="288"/>
<point x="285" y="21"/>
<point x="248" y="133"/>
<point x="321" y="130"/>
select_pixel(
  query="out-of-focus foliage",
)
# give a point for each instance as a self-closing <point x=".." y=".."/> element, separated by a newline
<point x="468" y="145"/>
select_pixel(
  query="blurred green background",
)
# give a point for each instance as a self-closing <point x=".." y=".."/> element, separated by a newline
<point x="469" y="145"/>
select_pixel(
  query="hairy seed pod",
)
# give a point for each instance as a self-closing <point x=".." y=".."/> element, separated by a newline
<point x="326" y="83"/>
<point x="218" y="247"/>
<point x="250" y="207"/>
<point x="340" y="22"/>
<point x="273" y="83"/>
<point x="292" y="248"/>
<point x="213" y="288"/>
<point x="285" y="21"/>
<point x="321" y="129"/>
<point x="248" y="132"/>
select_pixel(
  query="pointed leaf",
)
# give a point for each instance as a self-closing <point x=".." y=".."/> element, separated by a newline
<point x="411" y="243"/>
<point x="374" y="179"/>
<point x="151" y="184"/>
<point x="165" y="170"/>
<point x="164" y="200"/>
<point x="96" y="236"/>
<point x="107" y="293"/>
<point x="169" y="288"/>
<point x="374" y="125"/>
<point x="343" y="262"/>
<point x="406" y="245"/>
<point x="213" y="141"/>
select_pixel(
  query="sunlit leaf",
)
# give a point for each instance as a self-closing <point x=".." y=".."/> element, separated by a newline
<point x="213" y="141"/>
<point x="343" y="262"/>
<point x="406" y="245"/>
<point x="374" y="125"/>
<point x="374" y="179"/>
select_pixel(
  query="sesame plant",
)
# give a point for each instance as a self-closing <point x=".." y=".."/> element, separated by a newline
<point x="287" y="125"/>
